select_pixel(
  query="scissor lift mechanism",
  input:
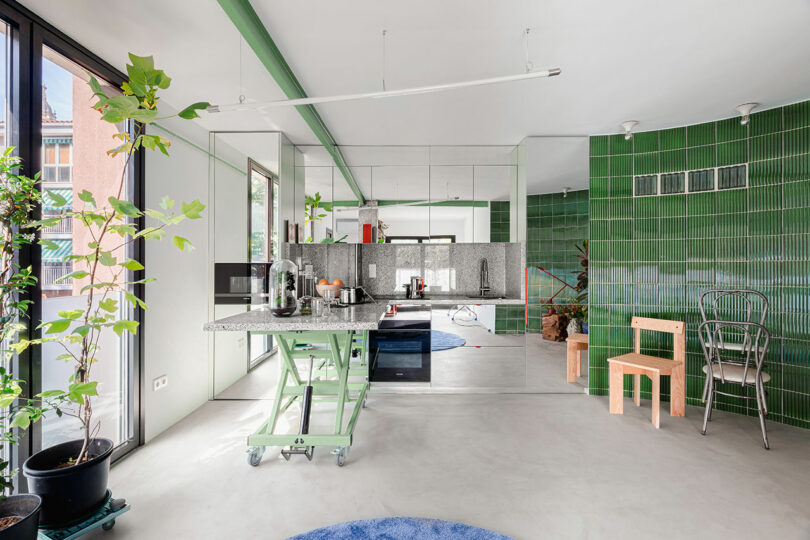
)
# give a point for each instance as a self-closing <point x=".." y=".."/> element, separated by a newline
<point x="330" y="356"/>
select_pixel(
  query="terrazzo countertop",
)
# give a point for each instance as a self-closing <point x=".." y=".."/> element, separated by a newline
<point x="443" y="300"/>
<point x="357" y="317"/>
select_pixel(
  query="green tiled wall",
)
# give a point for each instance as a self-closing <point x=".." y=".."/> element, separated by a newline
<point x="510" y="320"/>
<point x="499" y="221"/>
<point x="653" y="256"/>
<point x="555" y="225"/>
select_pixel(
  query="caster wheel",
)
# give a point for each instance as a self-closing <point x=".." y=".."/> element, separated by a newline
<point x="108" y="525"/>
<point x="340" y="455"/>
<point x="255" y="456"/>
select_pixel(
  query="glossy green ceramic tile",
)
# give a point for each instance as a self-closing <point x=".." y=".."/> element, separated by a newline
<point x="620" y="145"/>
<point x="646" y="141"/>
<point x="700" y="134"/>
<point x="645" y="163"/>
<point x="797" y="141"/>
<point x="700" y="157"/>
<point x="797" y="167"/>
<point x="768" y="121"/>
<point x="621" y="186"/>
<point x="673" y="205"/>
<point x="766" y="147"/>
<point x="673" y="160"/>
<point x="671" y="139"/>
<point x="732" y="153"/>
<point x="600" y="145"/>
<point x="600" y="166"/>
<point x="731" y="130"/>
<point x="645" y="207"/>
<point x="761" y="173"/>
<point x="797" y="115"/>
<point x="621" y="165"/>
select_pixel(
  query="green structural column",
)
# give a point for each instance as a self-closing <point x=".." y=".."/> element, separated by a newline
<point x="256" y="35"/>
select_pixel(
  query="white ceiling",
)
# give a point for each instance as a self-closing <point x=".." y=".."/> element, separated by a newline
<point x="662" y="63"/>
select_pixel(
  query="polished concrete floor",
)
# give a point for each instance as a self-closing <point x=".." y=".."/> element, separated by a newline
<point x="528" y="466"/>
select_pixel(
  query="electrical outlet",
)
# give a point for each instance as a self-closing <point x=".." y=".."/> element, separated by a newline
<point x="159" y="383"/>
<point x="372" y="271"/>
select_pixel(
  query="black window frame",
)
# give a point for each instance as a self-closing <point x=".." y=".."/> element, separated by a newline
<point x="29" y="33"/>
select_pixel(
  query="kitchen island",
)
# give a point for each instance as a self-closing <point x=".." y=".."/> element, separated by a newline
<point x="336" y="347"/>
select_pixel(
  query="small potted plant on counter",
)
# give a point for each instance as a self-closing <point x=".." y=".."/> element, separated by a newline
<point x="71" y="477"/>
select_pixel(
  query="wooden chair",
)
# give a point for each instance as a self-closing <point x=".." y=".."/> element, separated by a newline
<point x="576" y="344"/>
<point x="638" y="364"/>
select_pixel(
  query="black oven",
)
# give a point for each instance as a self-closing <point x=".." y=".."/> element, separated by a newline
<point x="400" y="349"/>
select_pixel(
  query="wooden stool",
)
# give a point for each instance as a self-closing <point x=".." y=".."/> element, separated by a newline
<point x="576" y="344"/>
<point x="638" y="364"/>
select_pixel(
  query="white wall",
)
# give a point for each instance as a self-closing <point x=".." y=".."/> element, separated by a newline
<point x="174" y="343"/>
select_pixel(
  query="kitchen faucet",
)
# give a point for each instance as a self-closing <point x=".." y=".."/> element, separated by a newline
<point x="484" y="288"/>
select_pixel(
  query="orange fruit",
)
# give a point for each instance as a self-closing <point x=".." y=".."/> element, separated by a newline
<point x="337" y="283"/>
<point x="324" y="281"/>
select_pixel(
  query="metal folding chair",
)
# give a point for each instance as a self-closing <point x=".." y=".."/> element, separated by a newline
<point x="735" y="353"/>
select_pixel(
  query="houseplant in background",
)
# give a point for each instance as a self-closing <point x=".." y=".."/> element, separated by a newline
<point x="71" y="477"/>
<point x="19" y="195"/>
<point x="582" y="283"/>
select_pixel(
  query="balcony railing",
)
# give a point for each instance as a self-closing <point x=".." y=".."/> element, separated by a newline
<point x="65" y="226"/>
<point x="53" y="271"/>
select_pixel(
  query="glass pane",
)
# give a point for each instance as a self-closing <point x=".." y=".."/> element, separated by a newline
<point x="274" y="246"/>
<point x="68" y="120"/>
<point x="50" y="152"/>
<point x="259" y="205"/>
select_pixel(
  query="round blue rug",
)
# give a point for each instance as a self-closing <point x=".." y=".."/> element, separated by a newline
<point x="400" y="528"/>
<point x="441" y="341"/>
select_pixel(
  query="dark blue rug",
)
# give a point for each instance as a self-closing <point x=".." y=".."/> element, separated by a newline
<point x="400" y="528"/>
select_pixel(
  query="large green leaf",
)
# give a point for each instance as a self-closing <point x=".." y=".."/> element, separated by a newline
<point x="87" y="197"/>
<point x="78" y="390"/>
<point x="191" y="111"/>
<point x="76" y="274"/>
<point x="124" y="207"/>
<point x="182" y="243"/>
<point x="21" y="420"/>
<point x="109" y="305"/>
<point x="133" y="265"/>
<point x="129" y="326"/>
<point x="192" y="209"/>
<point x="71" y="314"/>
<point x="57" y="199"/>
<point x="106" y="258"/>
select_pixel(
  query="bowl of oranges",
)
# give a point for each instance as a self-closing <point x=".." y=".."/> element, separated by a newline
<point x="327" y="289"/>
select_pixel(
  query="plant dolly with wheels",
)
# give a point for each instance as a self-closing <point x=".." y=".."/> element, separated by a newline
<point x="335" y="347"/>
<point x="103" y="518"/>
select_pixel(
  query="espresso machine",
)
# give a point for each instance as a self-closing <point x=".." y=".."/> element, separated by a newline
<point x="415" y="289"/>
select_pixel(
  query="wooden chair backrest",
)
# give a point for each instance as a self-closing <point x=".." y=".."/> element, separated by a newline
<point x="676" y="328"/>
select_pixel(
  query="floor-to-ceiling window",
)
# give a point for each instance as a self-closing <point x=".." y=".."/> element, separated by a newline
<point x="46" y="114"/>
<point x="263" y="234"/>
<point x="74" y="159"/>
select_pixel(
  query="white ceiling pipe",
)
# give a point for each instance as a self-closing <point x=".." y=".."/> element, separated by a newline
<point x="384" y="94"/>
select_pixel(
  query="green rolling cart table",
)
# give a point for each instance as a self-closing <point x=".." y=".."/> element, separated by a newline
<point x="335" y="347"/>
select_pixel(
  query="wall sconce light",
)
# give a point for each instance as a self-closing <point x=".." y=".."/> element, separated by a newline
<point x="628" y="129"/>
<point x="745" y="112"/>
<point x="565" y="191"/>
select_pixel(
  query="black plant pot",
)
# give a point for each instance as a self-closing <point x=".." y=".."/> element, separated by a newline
<point x="25" y="506"/>
<point x="69" y="493"/>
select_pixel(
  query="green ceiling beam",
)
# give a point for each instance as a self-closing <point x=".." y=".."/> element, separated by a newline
<point x="256" y="35"/>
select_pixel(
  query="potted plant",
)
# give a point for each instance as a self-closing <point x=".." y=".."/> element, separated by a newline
<point x="582" y="283"/>
<point x="71" y="477"/>
<point x="19" y="514"/>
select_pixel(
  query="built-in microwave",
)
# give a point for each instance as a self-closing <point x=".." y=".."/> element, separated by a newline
<point x="241" y="283"/>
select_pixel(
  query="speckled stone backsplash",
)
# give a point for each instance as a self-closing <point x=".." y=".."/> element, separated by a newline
<point x="451" y="269"/>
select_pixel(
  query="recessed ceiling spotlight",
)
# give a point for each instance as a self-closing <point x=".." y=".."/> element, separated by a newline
<point x="628" y="129"/>
<point x="745" y="112"/>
